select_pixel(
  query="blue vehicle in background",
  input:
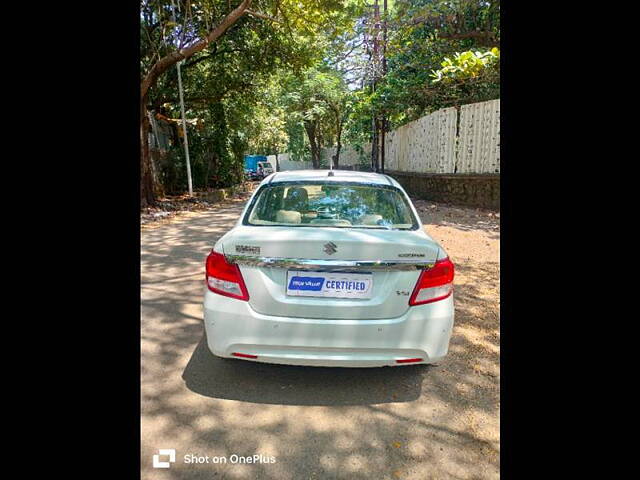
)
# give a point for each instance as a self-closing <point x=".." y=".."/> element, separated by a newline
<point x="256" y="167"/>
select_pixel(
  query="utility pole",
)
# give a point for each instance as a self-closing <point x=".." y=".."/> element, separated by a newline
<point x="375" y="64"/>
<point x="383" y="121"/>
<point x="184" y="130"/>
<point x="184" y="121"/>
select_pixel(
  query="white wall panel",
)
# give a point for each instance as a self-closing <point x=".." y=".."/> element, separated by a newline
<point x="425" y="145"/>
<point x="429" y="144"/>
<point x="479" y="143"/>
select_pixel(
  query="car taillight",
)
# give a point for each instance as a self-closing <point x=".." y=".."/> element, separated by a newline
<point x="225" y="278"/>
<point x="434" y="284"/>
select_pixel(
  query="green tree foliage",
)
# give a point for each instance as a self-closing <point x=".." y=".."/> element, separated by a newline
<point x="297" y="147"/>
<point x="295" y="76"/>
<point x="422" y="35"/>
<point x="228" y="83"/>
<point x="466" y="66"/>
<point x="320" y="101"/>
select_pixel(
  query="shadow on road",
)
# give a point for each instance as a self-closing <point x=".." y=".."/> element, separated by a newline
<point x="232" y="379"/>
<point x="411" y="422"/>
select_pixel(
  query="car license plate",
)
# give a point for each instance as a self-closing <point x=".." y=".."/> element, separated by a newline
<point x="329" y="284"/>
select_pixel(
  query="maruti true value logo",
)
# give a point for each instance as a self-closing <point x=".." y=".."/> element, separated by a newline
<point x="313" y="284"/>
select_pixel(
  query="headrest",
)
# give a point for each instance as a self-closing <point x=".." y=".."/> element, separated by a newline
<point x="370" y="219"/>
<point x="297" y="199"/>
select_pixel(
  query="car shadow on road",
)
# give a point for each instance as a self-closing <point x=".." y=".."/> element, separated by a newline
<point x="254" y="382"/>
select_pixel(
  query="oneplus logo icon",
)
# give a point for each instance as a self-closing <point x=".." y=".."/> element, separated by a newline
<point x="166" y="451"/>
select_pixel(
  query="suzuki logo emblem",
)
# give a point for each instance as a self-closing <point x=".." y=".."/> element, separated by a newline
<point x="330" y="248"/>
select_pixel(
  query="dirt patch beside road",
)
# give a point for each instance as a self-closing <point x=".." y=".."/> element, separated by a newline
<point x="414" y="422"/>
<point x="174" y="207"/>
<point x="468" y="234"/>
<point x="471" y="237"/>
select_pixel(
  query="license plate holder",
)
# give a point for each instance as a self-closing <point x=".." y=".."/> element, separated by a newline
<point x="329" y="284"/>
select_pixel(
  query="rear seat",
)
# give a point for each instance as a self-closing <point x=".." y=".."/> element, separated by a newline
<point x="370" y="219"/>
<point x="288" y="216"/>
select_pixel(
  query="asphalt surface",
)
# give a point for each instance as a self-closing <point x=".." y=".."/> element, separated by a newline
<point x="413" y="422"/>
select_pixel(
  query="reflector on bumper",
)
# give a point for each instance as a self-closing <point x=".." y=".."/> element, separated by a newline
<point x="243" y="355"/>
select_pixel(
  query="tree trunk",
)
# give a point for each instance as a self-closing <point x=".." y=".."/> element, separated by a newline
<point x="208" y="155"/>
<point x="312" y="131"/>
<point x="382" y="141"/>
<point x="374" y="145"/>
<point x="147" y="190"/>
<point x="338" y="144"/>
<point x="147" y="195"/>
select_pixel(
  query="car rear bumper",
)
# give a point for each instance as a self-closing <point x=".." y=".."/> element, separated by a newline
<point x="423" y="332"/>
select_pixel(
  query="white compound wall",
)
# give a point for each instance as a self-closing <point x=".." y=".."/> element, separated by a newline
<point x="431" y="145"/>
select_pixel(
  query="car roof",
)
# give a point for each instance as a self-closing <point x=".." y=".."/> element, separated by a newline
<point x="338" y="176"/>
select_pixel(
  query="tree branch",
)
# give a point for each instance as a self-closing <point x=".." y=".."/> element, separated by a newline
<point x="346" y="55"/>
<point x="481" y="35"/>
<point x="171" y="59"/>
<point x="262" y="15"/>
<point x="208" y="99"/>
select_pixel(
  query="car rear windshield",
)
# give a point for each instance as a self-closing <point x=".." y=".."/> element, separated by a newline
<point x="331" y="205"/>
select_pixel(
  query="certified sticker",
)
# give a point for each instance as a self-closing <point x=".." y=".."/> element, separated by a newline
<point x="332" y="285"/>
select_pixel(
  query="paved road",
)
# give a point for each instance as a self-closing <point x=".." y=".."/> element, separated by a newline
<point x="414" y="422"/>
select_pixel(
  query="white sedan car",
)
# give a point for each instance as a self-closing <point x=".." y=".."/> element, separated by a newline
<point x="329" y="268"/>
